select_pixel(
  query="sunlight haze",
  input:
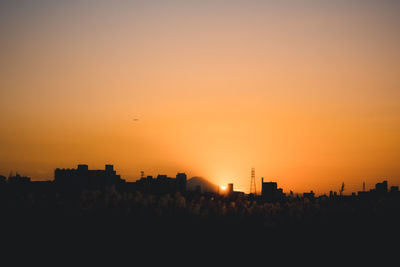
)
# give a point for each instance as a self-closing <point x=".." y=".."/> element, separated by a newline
<point x="306" y="92"/>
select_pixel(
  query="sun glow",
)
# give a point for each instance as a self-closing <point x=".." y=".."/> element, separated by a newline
<point x="164" y="87"/>
<point x="223" y="187"/>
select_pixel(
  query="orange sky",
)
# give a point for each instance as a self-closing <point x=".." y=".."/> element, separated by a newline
<point x="307" y="92"/>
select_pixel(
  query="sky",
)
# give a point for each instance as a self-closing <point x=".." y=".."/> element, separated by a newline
<point x="306" y="92"/>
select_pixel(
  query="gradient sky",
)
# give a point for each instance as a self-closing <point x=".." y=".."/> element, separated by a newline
<point x="307" y="92"/>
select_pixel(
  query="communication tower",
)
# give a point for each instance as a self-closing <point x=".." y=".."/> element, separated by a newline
<point x="253" y="182"/>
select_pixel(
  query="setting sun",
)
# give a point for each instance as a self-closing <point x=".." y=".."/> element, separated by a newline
<point x="306" y="92"/>
<point x="207" y="124"/>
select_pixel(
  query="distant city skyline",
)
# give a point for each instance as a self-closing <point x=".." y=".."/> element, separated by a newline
<point x="265" y="185"/>
<point x="306" y="92"/>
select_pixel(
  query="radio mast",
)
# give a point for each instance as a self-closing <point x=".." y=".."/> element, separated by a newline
<point x="253" y="182"/>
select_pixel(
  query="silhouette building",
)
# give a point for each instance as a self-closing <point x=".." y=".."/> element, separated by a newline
<point x="270" y="191"/>
<point x="394" y="189"/>
<point x="82" y="177"/>
<point x="18" y="179"/>
<point x="309" y="195"/>
<point x="381" y="188"/>
<point x="162" y="184"/>
<point x="181" y="181"/>
<point x="230" y="189"/>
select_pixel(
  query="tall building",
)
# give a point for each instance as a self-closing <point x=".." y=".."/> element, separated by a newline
<point x="181" y="180"/>
<point x="270" y="191"/>
<point x="381" y="188"/>
<point x="82" y="177"/>
<point x="230" y="189"/>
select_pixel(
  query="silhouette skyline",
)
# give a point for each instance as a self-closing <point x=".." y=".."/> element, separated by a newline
<point x="180" y="128"/>
<point x="94" y="209"/>
<point x="84" y="178"/>
<point x="306" y="92"/>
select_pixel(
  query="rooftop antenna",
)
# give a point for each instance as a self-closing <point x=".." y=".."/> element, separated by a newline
<point x="364" y="186"/>
<point x="142" y="174"/>
<point x="253" y="182"/>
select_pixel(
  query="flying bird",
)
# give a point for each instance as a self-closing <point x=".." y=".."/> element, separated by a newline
<point x="135" y="119"/>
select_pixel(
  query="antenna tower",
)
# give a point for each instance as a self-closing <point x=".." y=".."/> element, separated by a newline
<point x="253" y="182"/>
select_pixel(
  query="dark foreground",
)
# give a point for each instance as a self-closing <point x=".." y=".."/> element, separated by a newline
<point x="104" y="223"/>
